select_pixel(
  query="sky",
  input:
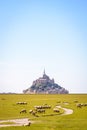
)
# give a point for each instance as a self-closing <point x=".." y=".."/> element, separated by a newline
<point x="38" y="34"/>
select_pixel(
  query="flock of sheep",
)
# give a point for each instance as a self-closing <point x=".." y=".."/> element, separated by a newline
<point x="42" y="108"/>
<point x="37" y="109"/>
<point x="21" y="103"/>
<point x="80" y="105"/>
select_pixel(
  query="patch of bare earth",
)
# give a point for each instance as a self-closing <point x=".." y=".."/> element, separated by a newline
<point x="66" y="110"/>
<point x="14" y="122"/>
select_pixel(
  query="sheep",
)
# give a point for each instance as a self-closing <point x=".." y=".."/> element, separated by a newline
<point x="25" y="103"/>
<point x="56" y="110"/>
<point x="38" y="107"/>
<point x="33" y="112"/>
<point x="23" y="111"/>
<point x="21" y="103"/>
<point x="30" y="111"/>
<point x="79" y="105"/>
<point x="41" y="110"/>
<point x="42" y="107"/>
<point x="28" y="124"/>
<point x="85" y="104"/>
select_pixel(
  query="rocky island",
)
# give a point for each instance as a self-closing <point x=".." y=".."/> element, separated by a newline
<point x="45" y="85"/>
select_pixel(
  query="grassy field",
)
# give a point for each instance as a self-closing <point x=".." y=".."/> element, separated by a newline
<point x="48" y="121"/>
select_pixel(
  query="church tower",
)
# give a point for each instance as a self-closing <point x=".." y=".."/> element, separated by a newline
<point x="44" y="72"/>
<point x="45" y="76"/>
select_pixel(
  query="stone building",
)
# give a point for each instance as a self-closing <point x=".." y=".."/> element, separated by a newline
<point x="45" y="85"/>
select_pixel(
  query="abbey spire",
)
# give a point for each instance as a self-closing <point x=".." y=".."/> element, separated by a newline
<point x="44" y="72"/>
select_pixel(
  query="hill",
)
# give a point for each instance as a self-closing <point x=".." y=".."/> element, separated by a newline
<point x="45" y="85"/>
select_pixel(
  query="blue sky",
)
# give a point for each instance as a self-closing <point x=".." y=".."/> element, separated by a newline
<point x="38" y="34"/>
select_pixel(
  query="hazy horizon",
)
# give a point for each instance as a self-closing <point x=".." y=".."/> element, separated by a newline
<point x="50" y="34"/>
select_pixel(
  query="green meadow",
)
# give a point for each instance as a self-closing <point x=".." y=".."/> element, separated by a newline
<point x="48" y="120"/>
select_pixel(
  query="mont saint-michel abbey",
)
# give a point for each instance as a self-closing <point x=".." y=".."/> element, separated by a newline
<point x="45" y="85"/>
<point x="43" y="79"/>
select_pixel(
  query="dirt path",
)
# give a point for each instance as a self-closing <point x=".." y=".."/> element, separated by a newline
<point x="66" y="111"/>
<point x="25" y="121"/>
<point x="14" y="122"/>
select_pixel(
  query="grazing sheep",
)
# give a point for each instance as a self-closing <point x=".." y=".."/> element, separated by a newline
<point x="23" y="111"/>
<point x="42" y="107"/>
<point x="25" y="103"/>
<point x="56" y="110"/>
<point x="79" y="105"/>
<point x="41" y="110"/>
<point x="38" y="107"/>
<point x="30" y="111"/>
<point x="21" y="103"/>
<point x="85" y="104"/>
<point x="28" y="124"/>
<point x="33" y="112"/>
